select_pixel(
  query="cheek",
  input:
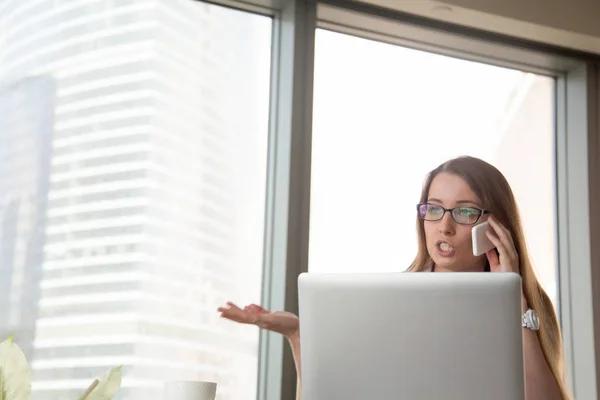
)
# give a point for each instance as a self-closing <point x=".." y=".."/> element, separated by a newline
<point x="429" y="231"/>
<point x="463" y="238"/>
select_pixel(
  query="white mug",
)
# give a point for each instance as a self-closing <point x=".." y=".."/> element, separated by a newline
<point x="190" y="390"/>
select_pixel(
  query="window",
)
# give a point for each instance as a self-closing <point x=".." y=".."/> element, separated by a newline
<point x="385" y="115"/>
<point x="133" y="165"/>
<point x="128" y="114"/>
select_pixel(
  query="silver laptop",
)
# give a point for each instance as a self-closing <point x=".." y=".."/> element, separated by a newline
<point x="411" y="336"/>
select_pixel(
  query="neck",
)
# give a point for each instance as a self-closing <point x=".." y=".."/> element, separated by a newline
<point x="475" y="268"/>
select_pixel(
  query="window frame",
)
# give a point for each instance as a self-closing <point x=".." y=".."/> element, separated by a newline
<point x="577" y="146"/>
<point x="288" y="186"/>
<point x="578" y="187"/>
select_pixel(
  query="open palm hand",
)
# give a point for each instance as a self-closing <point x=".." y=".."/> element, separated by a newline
<point x="281" y="322"/>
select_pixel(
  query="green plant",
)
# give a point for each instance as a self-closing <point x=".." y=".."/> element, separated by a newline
<point x="15" y="377"/>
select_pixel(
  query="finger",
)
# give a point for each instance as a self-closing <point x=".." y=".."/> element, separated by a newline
<point x="497" y="242"/>
<point x="228" y="306"/>
<point x="231" y="305"/>
<point x="237" y="318"/>
<point x="229" y="312"/>
<point x="504" y="236"/>
<point x="234" y="313"/>
<point x="500" y="230"/>
<point x="257" y="308"/>
<point x="227" y="315"/>
<point x="493" y="259"/>
<point x="235" y="309"/>
<point x="253" y="309"/>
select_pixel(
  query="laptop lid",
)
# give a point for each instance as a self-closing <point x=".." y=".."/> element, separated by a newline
<point x="425" y="336"/>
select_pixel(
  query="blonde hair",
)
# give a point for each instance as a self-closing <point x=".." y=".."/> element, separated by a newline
<point x="493" y="190"/>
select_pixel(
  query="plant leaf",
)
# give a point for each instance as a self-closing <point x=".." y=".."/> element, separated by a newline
<point x="3" y="395"/>
<point x="15" y="374"/>
<point x="108" y="385"/>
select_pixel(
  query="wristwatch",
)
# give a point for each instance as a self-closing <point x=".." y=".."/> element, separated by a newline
<point x="530" y="320"/>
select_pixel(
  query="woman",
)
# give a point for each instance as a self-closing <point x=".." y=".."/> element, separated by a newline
<point x="457" y="195"/>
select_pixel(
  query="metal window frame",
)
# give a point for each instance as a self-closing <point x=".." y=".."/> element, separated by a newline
<point x="578" y="187"/>
<point x="288" y="188"/>
<point x="288" y="197"/>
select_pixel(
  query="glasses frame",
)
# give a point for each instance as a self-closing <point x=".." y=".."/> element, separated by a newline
<point x="451" y="211"/>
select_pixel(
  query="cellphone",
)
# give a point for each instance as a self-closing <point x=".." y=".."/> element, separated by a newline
<point x="481" y="243"/>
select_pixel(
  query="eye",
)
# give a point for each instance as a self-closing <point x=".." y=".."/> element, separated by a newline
<point x="467" y="211"/>
<point x="434" y="210"/>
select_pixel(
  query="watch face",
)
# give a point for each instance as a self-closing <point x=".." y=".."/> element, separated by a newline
<point x="533" y="317"/>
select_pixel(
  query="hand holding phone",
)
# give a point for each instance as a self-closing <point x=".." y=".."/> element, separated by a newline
<point x="481" y="243"/>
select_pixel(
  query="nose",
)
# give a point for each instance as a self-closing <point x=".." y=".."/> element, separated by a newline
<point x="447" y="225"/>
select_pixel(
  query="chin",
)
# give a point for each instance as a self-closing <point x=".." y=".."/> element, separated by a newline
<point x="447" y="262"/>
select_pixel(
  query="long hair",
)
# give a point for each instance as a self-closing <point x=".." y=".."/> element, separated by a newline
<point x="496" y="195"/>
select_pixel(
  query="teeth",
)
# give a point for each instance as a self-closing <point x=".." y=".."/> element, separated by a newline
<point x="445" y="246"/>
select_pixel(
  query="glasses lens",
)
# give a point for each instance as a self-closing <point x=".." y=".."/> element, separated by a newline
<point x="466" y="215"/>
<point x="430" y="212"/>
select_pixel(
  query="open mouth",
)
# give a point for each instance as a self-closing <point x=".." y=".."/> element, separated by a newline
<point x="444" y="248"/>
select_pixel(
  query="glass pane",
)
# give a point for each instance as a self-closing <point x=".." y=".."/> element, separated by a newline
<point x="384" y="116"/>
<point x="133" y="152"/>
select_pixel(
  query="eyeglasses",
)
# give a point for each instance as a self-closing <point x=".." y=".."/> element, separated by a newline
<point x="462" y="215"/>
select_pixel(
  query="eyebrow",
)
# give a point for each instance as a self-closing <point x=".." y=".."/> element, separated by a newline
<point x="458" y="202"/>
